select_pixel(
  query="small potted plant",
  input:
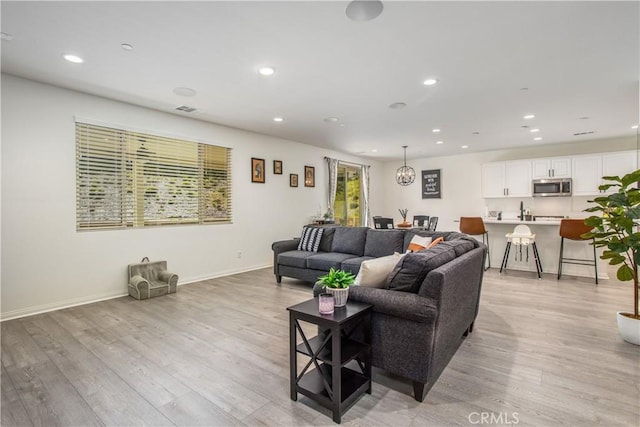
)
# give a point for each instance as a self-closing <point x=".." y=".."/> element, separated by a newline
<point x="403" y="214"/>
<point x="616" y="229"/>
<point x="337" y="282"/>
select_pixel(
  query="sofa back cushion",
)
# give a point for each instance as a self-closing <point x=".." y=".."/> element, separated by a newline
<point x="349" y="240"/>
<point x="411" y="270"/>
<point x="383" y="242"/>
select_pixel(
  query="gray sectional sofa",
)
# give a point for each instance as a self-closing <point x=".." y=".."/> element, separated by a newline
<point x="426" y="309"/>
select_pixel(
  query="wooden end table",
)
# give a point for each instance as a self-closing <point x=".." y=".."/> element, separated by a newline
<point x="331" y="383"/>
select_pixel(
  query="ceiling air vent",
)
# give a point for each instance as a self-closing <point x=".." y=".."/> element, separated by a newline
<point x="186" y="109"/>
<point x="584" y="133"/>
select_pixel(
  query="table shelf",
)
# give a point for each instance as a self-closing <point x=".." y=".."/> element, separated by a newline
<point x="350" y="349"/>
<point x="353" y="385"/>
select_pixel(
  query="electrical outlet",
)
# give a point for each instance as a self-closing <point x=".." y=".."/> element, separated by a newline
<point x="239" y="254"/>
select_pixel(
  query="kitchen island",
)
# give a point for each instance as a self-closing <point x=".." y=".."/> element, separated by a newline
<point x="548" y="242"/>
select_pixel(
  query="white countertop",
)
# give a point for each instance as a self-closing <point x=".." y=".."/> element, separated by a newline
<point x="517" y="221"/>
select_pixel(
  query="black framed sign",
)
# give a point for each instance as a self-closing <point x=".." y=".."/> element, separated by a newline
<point x="431" y="184"/>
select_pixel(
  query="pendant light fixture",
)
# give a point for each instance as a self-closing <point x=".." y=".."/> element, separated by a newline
<point x="405" y="175"/>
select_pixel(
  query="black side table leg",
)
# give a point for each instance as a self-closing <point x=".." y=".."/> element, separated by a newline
<point x="336" y="374"/>
<point x="293" y="357"/>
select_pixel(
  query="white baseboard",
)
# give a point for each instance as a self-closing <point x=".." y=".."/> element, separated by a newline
<point x="59" y="305"/>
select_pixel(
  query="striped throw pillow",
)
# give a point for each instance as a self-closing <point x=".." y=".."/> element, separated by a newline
<point x="310" y="240"/>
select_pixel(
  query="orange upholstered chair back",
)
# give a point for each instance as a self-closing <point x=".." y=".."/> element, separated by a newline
<point x="473" y="225"/>
<point x="573" y="228"/>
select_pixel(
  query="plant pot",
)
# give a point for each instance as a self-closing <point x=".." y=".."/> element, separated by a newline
<point x="340" y="295"/>
<point x="629" y="328"/>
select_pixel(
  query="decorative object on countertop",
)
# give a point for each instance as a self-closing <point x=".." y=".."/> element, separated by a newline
<point x="337" y="283"/>
<point x="403" y="214"/>
<point x="151" y="279"/>
<point x="615" y="230"/>
<point x="405" y="175"/>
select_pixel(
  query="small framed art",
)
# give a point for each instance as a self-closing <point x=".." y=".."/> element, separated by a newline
<point x="277" y="167"/>
<point x="309" y="176"/>
<point x="293" y="180"/>
<point x="257" y="170"/>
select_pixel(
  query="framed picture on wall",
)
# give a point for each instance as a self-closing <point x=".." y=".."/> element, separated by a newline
<point x="309" y="176"/>
<point x="431" y="181"/>
<point x="257" y="170"/>
<point x="293" y="180"/>
<point x="277" y="167"/>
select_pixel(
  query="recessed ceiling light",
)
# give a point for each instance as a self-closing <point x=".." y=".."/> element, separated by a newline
<point x="6" y="36"/>
<point x="341" y="125"/>
<point x="529" y="116"/>
<point x="73" y="58"/>
<point x="429" y="82"/>
<point x="583" y="118"/>
<point x="439" y="142"/>
<point x="374" y="151"/>
<point x="397" y="105"/>
<point x="364" y="10"/>
<point x="534" y="130"/>
<point x="634" y="127"/>
<point x="435" y="130"/>
<point x="184" y="91"/>
<point x="524" y="88"/>
<point x="278" y="119"/>
<point x="126" y="46"/>
<point x="475" y="133"/>
<point x="537" y="138"/>
<point x="464" y="146"/>
<point x="266" y="71"/>
<point x="331" y="120"/>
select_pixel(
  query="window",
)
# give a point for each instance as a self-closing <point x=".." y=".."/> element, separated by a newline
<point x="347" y="206"/>
<point x="133" y="179"/>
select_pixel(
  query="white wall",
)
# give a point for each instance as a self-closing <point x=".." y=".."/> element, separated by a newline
<point x="47" y="264"/>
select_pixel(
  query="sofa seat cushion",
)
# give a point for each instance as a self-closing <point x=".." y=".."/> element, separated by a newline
<point x="295" y="258"/>
<point x="352" y="265"/>
<point x="383" y="242"/>
<point x="327" y="260"/>
<point x="412" y="269"/>
<point x="349" y="240"/>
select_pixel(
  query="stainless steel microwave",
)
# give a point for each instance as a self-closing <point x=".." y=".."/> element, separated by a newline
<point x="554" y="187"/>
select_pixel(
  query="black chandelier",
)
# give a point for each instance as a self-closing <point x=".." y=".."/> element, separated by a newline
<point x="405" y="175"/>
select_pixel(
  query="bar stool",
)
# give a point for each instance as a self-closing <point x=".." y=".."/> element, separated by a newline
<point x="572" y="229"/>
<point x="474" y="226"/>
<point x="522" y="236"/>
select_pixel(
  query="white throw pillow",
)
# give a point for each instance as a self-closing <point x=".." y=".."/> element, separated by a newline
<point x="374" y="272"/>
<point x="418" y="243"/>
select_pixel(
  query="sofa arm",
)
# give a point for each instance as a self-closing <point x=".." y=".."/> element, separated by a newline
<point x="285" y="245"/>
<point x="278" y="248"/>
<point x="139" y="287"/>
<point x="169" y="278"/>
<point x="404" y="305"/>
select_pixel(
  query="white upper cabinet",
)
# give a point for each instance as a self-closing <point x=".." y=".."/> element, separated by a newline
<point x="506" y="179"/>
<point x="553" y="167"/>
<point x="587" y="175"/>
<point x="589" y="170"/>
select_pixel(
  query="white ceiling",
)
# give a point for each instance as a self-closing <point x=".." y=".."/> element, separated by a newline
<point x="577" y="59"/>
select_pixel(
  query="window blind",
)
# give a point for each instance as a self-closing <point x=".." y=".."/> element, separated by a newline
<point x="134" y="179"/>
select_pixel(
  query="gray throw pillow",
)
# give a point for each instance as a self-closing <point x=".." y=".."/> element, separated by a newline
<point x="412" y="269"/>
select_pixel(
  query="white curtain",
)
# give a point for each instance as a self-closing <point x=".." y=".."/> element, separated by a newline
<point x="332" y="164"/>
<point x="364" y="185"/>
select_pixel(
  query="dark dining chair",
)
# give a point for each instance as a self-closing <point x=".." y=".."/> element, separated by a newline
<point x="433" y="223"/>
<point x="382" y="223"/>
<point x="419" y="221"/>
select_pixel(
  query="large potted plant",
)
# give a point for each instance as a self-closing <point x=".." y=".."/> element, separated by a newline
<point x="337" y="282"/>
<point x="616" y="228"/>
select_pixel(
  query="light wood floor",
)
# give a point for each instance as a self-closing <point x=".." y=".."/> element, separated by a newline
<point x="216" y="353"/>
